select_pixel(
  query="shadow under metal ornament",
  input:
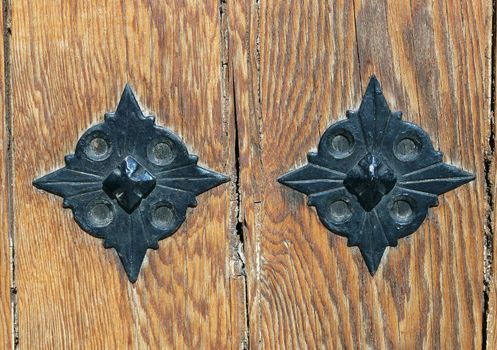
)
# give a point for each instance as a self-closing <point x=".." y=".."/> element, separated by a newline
<point x="130" y="182"/>
<point x="374" y="177"/>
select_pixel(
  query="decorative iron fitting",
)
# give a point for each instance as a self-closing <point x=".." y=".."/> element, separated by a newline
<point x="374" y="177"/>
<point x="130" y="182"/>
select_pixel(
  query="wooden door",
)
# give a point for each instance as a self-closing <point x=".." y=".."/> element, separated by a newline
<point x="250" y="86"/>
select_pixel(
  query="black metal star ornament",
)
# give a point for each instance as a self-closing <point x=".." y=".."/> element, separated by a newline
<point x="130" y="182"/>
<point x="374" y="177"/>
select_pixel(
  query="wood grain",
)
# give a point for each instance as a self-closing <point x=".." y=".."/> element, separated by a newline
<point x="307" y="289"/>
<point x="242" y="61"/>
<point x="249" y="85"/>
<point x="71" y="60"/>
<point x="5" y="252"/>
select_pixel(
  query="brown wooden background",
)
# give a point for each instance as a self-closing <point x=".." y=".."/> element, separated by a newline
<point x="250" y="86"/>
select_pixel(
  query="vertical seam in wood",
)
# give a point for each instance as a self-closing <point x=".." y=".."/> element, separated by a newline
<point x="357" y="45"/>
<point x="228" y="93"/>
<point x="239" y="225"/>
<point x="489" y="154"/>
<point x="258" y="203"/>
<point x="9" y="166"/>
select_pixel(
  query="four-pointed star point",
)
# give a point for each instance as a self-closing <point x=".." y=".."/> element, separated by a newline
<point x="130" y="182"/>
<point x="374" y="177"/>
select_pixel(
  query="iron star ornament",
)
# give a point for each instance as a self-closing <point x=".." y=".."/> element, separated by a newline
<point x="374" y="177"/>
<point x="130" y="182"/>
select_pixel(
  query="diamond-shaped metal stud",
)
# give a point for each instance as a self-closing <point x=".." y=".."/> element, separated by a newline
<point x="374" y="177"/>
<point x="130" y="182"/>
<point x="369" y="181"/>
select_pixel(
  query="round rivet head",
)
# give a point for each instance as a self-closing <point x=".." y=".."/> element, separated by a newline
<point x="161" y="152"/>
<point x="341" y="145"/>
<point x="97" y="149"/>
<point x="163" y="216"/>
<point x="407" y="149"/>
<point x="340" y="211"/>
<point x="402" y="211"/>
<point x="100" y="214"/>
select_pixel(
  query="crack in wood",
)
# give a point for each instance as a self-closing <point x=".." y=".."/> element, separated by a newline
<point x="7" y="36"/>
<point x="489" y="187"/>
<point x="230" y="115"/>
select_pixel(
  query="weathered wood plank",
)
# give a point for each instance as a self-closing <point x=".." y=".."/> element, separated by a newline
<point x="5" y="253"/>
<point x="307" y="289"/>
<point x="243" y="63"/>
<point x="436" y="61"/>
<point x="71" y="61"/>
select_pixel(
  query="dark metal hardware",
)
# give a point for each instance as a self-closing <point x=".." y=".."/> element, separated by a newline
<point x="374" y="177"/>
<point x="130" y="182"/>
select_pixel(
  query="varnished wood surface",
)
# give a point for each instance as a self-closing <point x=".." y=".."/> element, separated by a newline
<point x="71" y="60"/>
<point x="307" y="289"/>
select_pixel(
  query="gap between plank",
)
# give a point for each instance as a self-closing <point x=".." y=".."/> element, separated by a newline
<point x="7" y="36"/>
<point x="488" y="164"/>
<point x="237" y="249"/>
